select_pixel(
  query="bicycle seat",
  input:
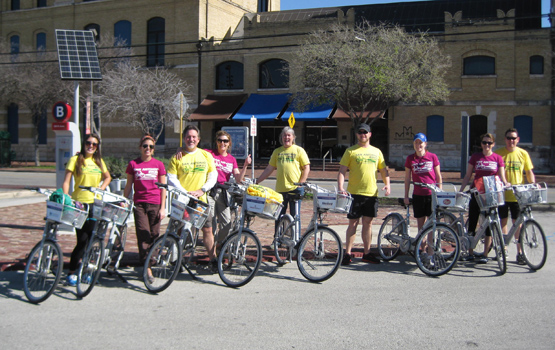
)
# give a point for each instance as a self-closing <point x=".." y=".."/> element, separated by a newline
<point x="295" y="196"/>
<point x="401" y="202"/>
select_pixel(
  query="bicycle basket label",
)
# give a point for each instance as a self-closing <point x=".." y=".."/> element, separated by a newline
<point x="326" y="201"/>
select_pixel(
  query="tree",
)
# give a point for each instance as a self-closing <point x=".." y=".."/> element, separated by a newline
<point x="370" y="68"/>
<point x="142" y="97"/>
<point x="32" y="79"/>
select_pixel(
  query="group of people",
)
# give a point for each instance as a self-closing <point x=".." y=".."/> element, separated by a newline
<point x="201" y="173"/>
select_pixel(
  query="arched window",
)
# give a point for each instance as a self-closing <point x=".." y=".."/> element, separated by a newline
<point x="524" y="123"/>
<point x="41" y="3"/>
<point x="122" y="33"/>
<point x="95" y="28"/>
<point x="13" y="122"/>
<point x="14" y="44"/>
<point x="434" y="128"/>
<point x="536" y="64"/>
<point x="479" y="65"/>
<point x="262" y="5"/>
<point x="229" y="76"/>
<point x="156" y="36"/>
<point x="478" y="126"/>
<point x="15" y="5"/>
<point x="273" y="74"/>
<point x="43" y="128"/>
<point x="41" y="42"/>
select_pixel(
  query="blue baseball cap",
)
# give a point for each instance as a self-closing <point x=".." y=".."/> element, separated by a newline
<point x="420" y="136"/>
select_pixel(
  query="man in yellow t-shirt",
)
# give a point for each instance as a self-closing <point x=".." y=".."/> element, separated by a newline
<point x="196" y="174"/>
<point x="362" y="161"/>
<point x="517" y="162"/>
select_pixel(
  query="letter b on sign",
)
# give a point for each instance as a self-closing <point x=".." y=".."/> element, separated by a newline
<point x="61" y="112"/>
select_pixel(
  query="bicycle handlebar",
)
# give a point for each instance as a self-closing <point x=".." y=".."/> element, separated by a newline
<point x="174" y="189"/>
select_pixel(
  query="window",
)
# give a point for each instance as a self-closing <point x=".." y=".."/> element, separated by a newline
<point x="41" y="42"/>
<point x="13" y="122"/>
<point x="229" y="76"/>
<point x="536" y="64"/>
<point x="523" y="123"/>
<point x="15" y="5"/>
<point x="273" y="74"/>
<point x="41" y="3"/>
<point x="434" y="128"/>
<point x="262" y="5"/>
<point x="122" y="33"/>
<point x="479" y="65"/>
<point x="43" y="128"/>
<point x="14" y="44"/>
<point x="156" y="32"/>
<point x="95" y="28"/>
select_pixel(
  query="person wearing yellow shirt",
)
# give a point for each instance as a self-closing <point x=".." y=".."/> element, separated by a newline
<point x="293" y="165"/>
<point x="517" y="163"/>
<point x="363" y="161"/>
<point x="87" y="169"/>
<point x="196" y="174"/>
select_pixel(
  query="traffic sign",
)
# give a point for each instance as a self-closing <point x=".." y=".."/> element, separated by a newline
<point x="253" y="126"/>
<point x="291" y="120"/>
<point x="61" y="112"/>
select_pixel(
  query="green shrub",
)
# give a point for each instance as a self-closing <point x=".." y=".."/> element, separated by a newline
<point x="116" y="166"/>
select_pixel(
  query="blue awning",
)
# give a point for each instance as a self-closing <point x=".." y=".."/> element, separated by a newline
<point x="263" y="107"/>
<point x="317" y="113"/>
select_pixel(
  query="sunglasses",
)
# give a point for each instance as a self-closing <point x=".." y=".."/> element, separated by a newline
<point x="148" y="146"/>
<point x="222" y="140"/>
<point x="487" y="143"/>
<point x="362" y="132"/>
<point x="89" y="143"/>
<point x="510" y="138"/>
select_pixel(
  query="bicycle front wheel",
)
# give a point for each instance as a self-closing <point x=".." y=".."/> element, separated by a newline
<point x="283" y="240"/>
<point x="390" y="236"/>
<point x="164" y="261"/>
<point x="499" y="248"/>
<point x="239" y="259"/>
<point x="90" y="267"/>
<point x="320" y="254"/>
<point x="43" y="271"/>
<point x="533" y="243"/>
<point x="437" y="251"/>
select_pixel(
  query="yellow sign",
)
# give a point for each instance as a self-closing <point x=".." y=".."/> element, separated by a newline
<point x="291" y="120"/>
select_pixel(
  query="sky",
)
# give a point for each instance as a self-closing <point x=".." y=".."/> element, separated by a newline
<point x="305" y="4"/>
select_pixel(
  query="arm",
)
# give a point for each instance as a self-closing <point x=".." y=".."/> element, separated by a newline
<point x="385" y="178"/>
<point x="67" y="181"/>
<point x="128" y="186"/>
<point x="304" y="174"/>
<point x="501" y="173"/>
<point x="106" y="179"/>
<point x="211" y="180"/>
<point x="439" y="179"/>
<point x="530" y="176"/>
<point x="341" y="178"/>
<point x="174" y="181"/>
<point x="466" y="180"/>
<point x="163" y="214"/>
<point x="241" y="175"/>
<point x="269" y="170"/>
<point x="407" y="185"/>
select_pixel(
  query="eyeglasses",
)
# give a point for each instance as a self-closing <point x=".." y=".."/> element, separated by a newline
<point x="489" y="143"/>
<point x="89" y="143"/>
<point x="362" y="132"/>
<point x="223" y="140"/>
<point x="148" y="146"/>
<point x="510" y="138"/>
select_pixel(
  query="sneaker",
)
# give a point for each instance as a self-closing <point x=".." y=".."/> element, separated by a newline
<point x="482" y="260"/>
<point x="520" y="259"/>
<point x="369" y="258"/>
<point x="211" y="267"/>
<point x="71" y="280"/>
<point x="347" y="259"/>
<point x="468" y="257"/>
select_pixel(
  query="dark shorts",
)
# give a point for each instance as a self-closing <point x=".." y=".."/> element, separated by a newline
<point x="363" y="206"/>
<point x="504" y="210"/>
<point x="421" y="205"/>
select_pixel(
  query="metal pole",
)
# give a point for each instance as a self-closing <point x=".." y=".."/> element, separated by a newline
<point x="76" y="103"/>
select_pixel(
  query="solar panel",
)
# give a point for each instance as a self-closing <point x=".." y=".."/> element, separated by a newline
<point x="77" y="55"/>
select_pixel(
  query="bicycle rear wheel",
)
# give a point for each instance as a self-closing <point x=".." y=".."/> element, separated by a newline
<point x="499" y="248"/>
<point x="533" y="243"/>
<point x="437" y="251"/>
<point x="283" y="239"/>
<point x="164" y="260"/>
<point x="240" y="258"/>
<point x="320" y="254"/>
<point x="390" y="236"/>
<point x="90" y="267"/>
<point x="43" y="271"/>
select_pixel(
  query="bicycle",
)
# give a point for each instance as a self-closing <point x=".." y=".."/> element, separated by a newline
<point x="176" y="247"/>
<point x="436" y="247"/>
<point x="320" y="249"/>
<point x="532" y="237"/>
<point x="108" y="209"/>
<point x="241" y="252"/>
<point x="45" y="263"/>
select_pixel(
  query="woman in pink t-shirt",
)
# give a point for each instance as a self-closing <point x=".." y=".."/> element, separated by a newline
<point x="422" y="166"/>
<point x="226" y="164"/>
<point x="485" y="163"/>
<point x="150" y="201"/>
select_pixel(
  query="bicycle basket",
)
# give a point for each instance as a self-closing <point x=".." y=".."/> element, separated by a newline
<point x="110" y="211"/>
<point x="530" y="194"/>
<point x="73" y="215"/>
<point x="490" y="199"/>
<point x="453" y="201"/>
<point x="194" y="212"/>
<point x="266" y="208"/>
